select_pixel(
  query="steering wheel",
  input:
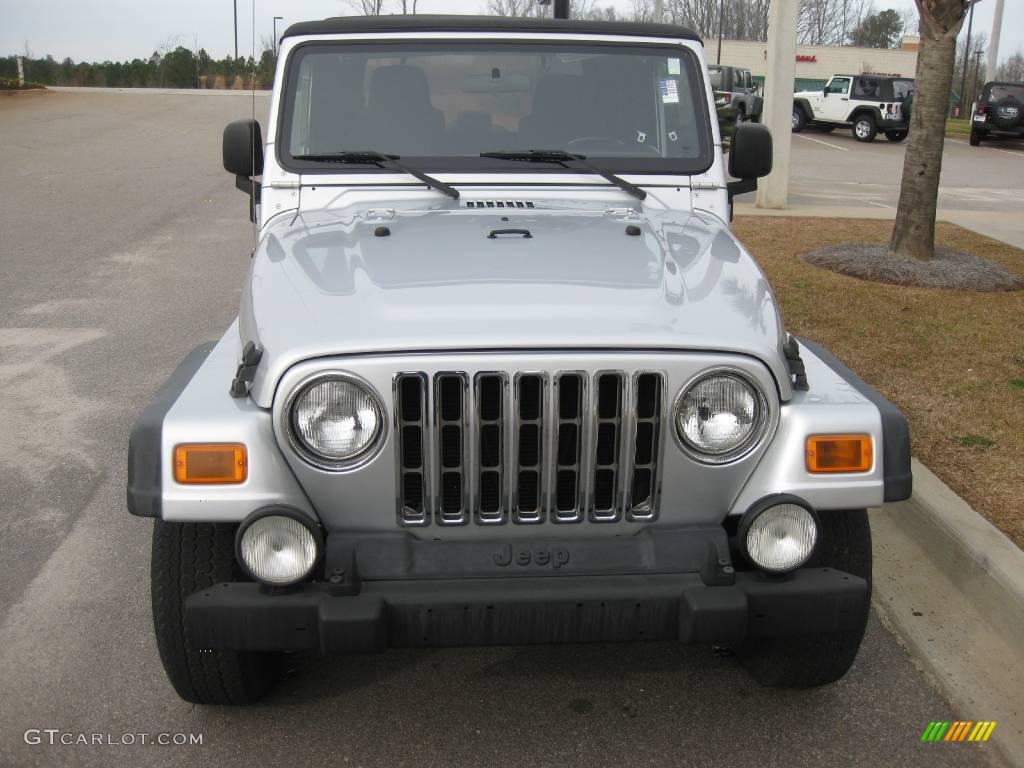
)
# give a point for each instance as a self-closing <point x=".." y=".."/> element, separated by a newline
<point x="610" y="140"/>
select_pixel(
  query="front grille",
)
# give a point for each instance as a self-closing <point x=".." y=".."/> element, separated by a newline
<point x="527" y="447"/>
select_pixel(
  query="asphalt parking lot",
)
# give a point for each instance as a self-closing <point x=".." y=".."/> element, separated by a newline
<point x="122" y="245"/>
<point x="834" y="169"/>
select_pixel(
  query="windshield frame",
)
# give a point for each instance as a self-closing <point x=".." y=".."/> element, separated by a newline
<point x="691" y="67"/>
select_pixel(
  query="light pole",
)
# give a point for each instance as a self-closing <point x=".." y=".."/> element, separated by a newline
<point x="721" y="19"/>
<point x="967" y="57"/>
<point x="993" y="42"/>
<point x="974" y="80"/>
<point x="276" y="19"/>
<point x="236" y="29"/>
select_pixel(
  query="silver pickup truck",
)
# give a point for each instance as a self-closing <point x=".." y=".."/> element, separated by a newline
<point x="501" y="374"/>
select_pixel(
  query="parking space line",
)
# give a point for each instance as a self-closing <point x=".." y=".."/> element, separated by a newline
<point x="994" y="149"/>
<point x="880" y="205"/>
<point x="819" y="141"/>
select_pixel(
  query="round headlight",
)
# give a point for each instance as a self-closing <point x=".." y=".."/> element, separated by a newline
<point x="719" y="417"/>
<point x="336" y="420"/>
<point x="277" y="549"/>
<point x="779" y="537"/>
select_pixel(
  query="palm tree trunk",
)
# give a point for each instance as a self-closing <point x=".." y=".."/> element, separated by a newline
<point x="913" y="235"/>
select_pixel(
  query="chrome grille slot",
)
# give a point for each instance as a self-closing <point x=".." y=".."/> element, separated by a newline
<point x="411" y="417"/>
<point x="607" y="441"/>
<point x="491" y="504"/>
<point x="570" y="395"/>
<point x="529" y="395"/>
<point x="647" y="410"/>
<point x="450" y="433"/>
<point x="493" y="447"/>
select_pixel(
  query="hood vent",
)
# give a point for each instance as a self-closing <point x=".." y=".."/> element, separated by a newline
<point x="499" y="204"/>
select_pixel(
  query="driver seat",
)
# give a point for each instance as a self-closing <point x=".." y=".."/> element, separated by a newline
<point x="398" y="117"/>
<point x="557" y="115"/>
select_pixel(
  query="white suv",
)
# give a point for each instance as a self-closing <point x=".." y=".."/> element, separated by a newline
<point x="867" y="104"/>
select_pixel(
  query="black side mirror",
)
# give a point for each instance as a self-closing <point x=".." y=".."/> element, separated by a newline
<point x="750" y="158"/>
<point x="243" y="156"/>
<point x="243" y="148"/>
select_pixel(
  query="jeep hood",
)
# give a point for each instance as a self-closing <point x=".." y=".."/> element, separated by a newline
<point x="450" y="279"/>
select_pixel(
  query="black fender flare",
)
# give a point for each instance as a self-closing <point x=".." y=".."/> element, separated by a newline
<point x="145" y="474"/>
<point x="875" y="113"/>
<point x="805" y="105"/>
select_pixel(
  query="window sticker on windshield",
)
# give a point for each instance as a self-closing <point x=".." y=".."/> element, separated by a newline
<point x="673" y="66"/>
<point x="669" y="90"/>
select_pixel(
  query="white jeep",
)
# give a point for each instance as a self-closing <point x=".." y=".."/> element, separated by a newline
<point x="867" y="104"/>
<point x="502" y="374"/>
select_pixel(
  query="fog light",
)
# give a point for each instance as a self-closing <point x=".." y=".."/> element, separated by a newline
<point x="278" y="546"/>
<point x="778" y="534"/>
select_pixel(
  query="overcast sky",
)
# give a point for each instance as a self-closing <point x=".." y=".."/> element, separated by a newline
<point x="95" y="30"/>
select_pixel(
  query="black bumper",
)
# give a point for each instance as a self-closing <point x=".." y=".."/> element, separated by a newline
<point x="892" y="125"/>
<point x="396" y="590"/>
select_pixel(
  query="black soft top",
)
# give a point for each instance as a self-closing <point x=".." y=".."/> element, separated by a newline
<point x="434" y="23"/>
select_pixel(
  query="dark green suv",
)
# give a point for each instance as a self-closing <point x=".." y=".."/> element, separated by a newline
<point x="999" y="111"/>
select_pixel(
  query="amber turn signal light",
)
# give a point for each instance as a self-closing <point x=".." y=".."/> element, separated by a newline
<point x="210" y="463"/>
<point x="839" y="453"/>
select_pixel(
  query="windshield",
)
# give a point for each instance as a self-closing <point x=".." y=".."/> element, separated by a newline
<point x="439" y="105"/>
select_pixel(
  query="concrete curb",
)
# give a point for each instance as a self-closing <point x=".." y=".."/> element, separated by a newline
<point x="984" y="564"/>
<point x="951" y="586"/>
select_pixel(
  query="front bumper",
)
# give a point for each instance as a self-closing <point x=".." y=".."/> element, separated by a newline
<point x="513" y="611"/>
<point x="398" y="591"/>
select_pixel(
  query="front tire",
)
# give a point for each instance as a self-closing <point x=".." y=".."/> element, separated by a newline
<point x="806" y="661"/>
<point x="896" y="136"/>
<point x="864" y="128"/>
<point x="799" y="119"/>
<point x="187" y="557"/>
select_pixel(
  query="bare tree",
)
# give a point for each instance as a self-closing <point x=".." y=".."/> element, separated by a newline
<point x="367" y="7"/>
<point x="516" y="8"/>
<point x="642" y="10"/>
<point x="1012" y="70"/>
<point x="700" y="16"/>
<point x="913" y="235"/>
<point x="910" y="21"/>
<point x="740" y="19"/>
<point x="820" y="22"/>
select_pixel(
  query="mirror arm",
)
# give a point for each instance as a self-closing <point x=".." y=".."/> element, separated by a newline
<point x="740" y="187"/>
<point x="248" y="185"/>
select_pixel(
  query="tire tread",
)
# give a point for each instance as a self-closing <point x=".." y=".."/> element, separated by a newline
<point x="187" y="557"/>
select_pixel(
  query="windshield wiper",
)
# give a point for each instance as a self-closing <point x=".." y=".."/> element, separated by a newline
<point x="568" y="160"/>
<point x="381" y="160"/>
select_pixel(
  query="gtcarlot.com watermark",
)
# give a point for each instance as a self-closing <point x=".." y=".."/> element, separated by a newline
<point x="56" y="737"/>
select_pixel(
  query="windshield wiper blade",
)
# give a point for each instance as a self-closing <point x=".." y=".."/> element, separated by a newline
<point x="565" y="158"/>
<point x="383" y="161"/>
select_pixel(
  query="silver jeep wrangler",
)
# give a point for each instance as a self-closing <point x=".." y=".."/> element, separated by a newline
<point x="501" y="374"/>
